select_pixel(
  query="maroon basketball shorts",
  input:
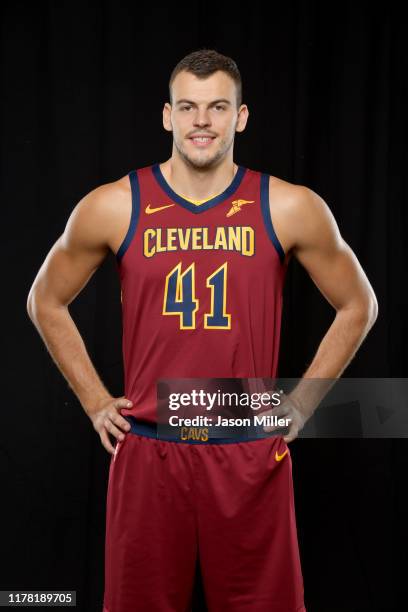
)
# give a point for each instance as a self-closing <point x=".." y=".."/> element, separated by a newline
<point x="230" y="505"/>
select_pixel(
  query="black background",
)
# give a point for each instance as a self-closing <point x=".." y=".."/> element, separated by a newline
<point x="83" y="86"/>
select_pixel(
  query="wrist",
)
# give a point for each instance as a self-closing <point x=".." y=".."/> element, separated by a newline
<point x="305" y="411"/>
<point x="93" y="404"/>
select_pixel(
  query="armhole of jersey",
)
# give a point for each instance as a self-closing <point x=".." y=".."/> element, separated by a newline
<point x="266" y="213"/>
<point x="134" y="217"/>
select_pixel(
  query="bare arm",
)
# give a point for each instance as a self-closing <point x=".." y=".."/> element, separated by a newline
<point x="69" y="265"/>
<point x="337" y="273"/>
<point x="315" y="240"/>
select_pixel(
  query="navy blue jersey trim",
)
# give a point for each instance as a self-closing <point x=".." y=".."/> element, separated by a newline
<point x="134" y="218"/>
<point x="266" y="213"/>
<point x="150" y="430"/>
<point x="239" y="175"/>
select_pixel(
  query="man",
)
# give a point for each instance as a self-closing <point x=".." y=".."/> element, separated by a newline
<point x="202" y="246"/>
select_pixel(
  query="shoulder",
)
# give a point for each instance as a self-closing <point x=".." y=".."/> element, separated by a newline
<point x="104" y="199"/>
<point x="293" y="198"/>
<point x="103" y="213"/>
<point x="298" y="213"/>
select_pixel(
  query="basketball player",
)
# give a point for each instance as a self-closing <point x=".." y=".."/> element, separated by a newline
<point x="202" y="246"/>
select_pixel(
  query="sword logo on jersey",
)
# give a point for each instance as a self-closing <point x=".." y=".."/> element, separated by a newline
<point x="237" y="206"/>
<point x="150" y="211"/>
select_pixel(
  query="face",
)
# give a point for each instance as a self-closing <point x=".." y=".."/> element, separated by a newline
<point x="204" y="108"/>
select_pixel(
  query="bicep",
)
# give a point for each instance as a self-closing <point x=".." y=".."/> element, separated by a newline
<point x="74" y="257"/>
<point x="328" y="259"/>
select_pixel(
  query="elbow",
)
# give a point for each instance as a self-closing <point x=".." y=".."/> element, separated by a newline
<point x="373" y="310"/>
<point x="362" y="314"/>
<point x="367" y="312"/>
<point x="39" y="306"/>
<point x="33" y="304"/>
<point x="30" y="303"/>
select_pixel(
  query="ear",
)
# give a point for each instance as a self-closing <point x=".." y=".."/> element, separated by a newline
<point x="243" y="114"/>
<point x="167" y="117"/>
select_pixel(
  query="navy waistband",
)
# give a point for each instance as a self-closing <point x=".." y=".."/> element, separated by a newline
<point x="187" y="435"/>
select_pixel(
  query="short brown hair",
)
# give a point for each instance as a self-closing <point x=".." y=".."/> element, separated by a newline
<point x="205" y="62"/>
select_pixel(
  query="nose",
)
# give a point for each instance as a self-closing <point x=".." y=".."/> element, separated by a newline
<point x="202" y="118"/>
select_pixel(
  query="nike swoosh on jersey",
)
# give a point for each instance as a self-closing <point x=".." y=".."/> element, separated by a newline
<point x="280" y="457"/>
<point x="150" y="211"/>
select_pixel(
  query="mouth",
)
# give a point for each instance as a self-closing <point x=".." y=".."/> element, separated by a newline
<point x="202" y="141"/>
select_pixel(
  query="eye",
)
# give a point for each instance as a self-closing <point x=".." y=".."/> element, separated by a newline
<point x="219" y="106"/>
<point x="185" y="107"/>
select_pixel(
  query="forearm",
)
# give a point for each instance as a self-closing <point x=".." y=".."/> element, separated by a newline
<point x="65" y="345"/>
<point x="340" y="344"/>
<point x="335" y="352"/>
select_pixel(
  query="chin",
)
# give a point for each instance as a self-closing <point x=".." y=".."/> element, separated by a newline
<point x="203" y="162"/>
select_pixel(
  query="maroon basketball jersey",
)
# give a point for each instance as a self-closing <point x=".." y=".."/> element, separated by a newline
<point x="201" y="285"/>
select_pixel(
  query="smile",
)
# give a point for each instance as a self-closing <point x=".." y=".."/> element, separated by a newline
<point x="200" y="141"/>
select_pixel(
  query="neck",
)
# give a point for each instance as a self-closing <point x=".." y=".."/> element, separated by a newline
<point x="198" y="183"/>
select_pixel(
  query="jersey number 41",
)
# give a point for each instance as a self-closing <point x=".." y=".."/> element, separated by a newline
<point x="179" y="297"/>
